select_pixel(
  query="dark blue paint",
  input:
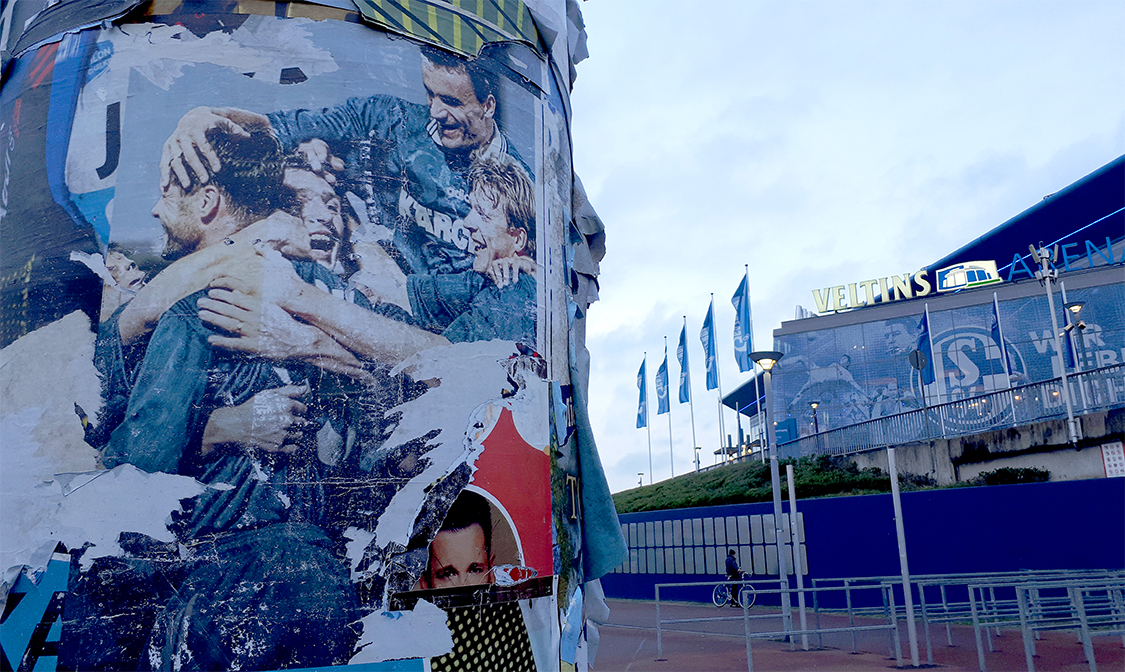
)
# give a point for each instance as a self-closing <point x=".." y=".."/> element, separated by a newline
<point x="1092" y="208"/>
<point x="1062" y="525"/>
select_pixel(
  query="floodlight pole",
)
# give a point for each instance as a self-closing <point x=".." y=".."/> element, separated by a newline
<point x="1047" y="276"/>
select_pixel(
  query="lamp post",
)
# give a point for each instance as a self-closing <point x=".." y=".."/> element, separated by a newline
<point x="766" y="359"/>
<point x="1074" y="330"/>
<point x="815" y="424"/>
<point x="1047" y="275"/>
<point x="1073" y="308"/>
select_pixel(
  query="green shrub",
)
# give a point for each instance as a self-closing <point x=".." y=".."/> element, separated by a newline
<point x="819" y="476"/>
<point x="745" y="482"/>
<point x="909" y="482"/>
<point x="1011" y="476"/>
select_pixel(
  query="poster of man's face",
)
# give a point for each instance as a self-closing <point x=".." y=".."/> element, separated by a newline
<point x="332" y="349"/>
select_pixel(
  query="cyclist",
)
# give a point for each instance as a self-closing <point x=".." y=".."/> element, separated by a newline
<point x="733" y="574"/>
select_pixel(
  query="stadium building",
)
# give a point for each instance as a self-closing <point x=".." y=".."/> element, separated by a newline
<point x="987" y="387"/>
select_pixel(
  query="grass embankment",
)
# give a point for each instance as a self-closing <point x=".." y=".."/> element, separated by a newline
<point x="820" y="476"/>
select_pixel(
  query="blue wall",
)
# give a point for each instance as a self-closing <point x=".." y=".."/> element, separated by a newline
<point x="1063" y="525"/>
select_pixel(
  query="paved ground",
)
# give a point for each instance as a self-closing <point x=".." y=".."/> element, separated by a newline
<point x="628" y="643"/>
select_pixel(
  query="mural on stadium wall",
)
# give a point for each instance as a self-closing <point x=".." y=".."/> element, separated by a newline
<point x="285" y="384"/>
<point x="862" y="371"/>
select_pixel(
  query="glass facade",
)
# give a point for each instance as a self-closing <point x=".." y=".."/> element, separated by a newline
<point x="861" y="371"/>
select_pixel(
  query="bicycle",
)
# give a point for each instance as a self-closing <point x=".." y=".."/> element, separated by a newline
<point x="746" y="594"/>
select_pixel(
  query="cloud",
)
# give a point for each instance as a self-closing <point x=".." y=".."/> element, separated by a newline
<point x="820" y="143"/>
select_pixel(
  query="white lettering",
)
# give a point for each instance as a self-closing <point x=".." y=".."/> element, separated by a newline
<point x="902" y="286"/>
<point x="822" y="299"/>
<point x="869" y="291"/>
<point x="1042" y="345"/>
<point x="920" y="278"/>
<point x="971" y="373"/>
<point x="1092" y="336"/>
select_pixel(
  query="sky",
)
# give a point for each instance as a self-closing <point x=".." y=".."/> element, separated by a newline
<point x="816" y="143"/>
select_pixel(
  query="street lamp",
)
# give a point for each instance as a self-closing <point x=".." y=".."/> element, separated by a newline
<point x="816" y="425"/>
<point x="1077" y="341"/>
<point x="767" y="359"/>
<point x="1075" y="307"/>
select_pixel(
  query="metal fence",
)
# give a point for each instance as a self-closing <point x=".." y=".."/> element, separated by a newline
<point x="1089" y="606"/>
<point x="1096" y="390"/>
<point x="787" y="629"/>
<point x="1089" y="602"/>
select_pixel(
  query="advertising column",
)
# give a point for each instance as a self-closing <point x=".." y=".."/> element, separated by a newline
<point x="288" y="295"/>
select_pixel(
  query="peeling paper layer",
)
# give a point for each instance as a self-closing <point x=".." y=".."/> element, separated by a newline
<point x="396" y="635"/>
<point x="357" y="489"/>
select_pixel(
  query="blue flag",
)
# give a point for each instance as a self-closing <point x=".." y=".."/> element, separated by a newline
<point x="1071" y="353"/>
<point x="662" y="386"/>
<point x="743" y="329"/>
<point x="707" y="336"/>
<point x="924" y="346"/>
<point x="642" y="404"/>
<point x="999" y="340"/>
<point x="685" y="377"/>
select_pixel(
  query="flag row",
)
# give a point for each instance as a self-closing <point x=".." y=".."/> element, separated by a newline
<point x="743" y="346"/>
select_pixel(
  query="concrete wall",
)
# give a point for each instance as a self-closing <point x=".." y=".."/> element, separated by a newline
<point x="1042" y="445"/>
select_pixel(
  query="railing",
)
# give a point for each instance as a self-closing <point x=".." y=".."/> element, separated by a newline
<point x="1096" y="390"/>
<point x="787" y="629"/>
<point x="1091" y="606"/>
<point x="1088" y="601"/>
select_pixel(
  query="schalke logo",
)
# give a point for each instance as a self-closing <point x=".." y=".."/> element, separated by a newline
<point x="970" y="364"/>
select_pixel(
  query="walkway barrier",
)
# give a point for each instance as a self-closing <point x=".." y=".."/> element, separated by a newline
<point x="787" y="631"/>
<point x="996" y="603"/>
<point x="1089" y="606"/>
<point x="1096" y="390"/>
<point x="991" y="600"/>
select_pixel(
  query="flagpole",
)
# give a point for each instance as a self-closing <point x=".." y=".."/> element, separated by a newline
<point x="1000" y="333"/>
<point x="671" y="459"/>
<point x="749" y="311"/>
<point x="761" y="423"/>
<point x="691" y="407"/>
<point x="749" y="336"/>
<point x="648" y="430"/>
<point x="743" y="342"/>
<point x="1004" y="355"/>
<point x="938" y="376"/>
<point x="719" y="389"/>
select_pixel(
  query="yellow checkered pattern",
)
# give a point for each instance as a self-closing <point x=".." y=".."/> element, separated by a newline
<point x="461" y="25"/>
